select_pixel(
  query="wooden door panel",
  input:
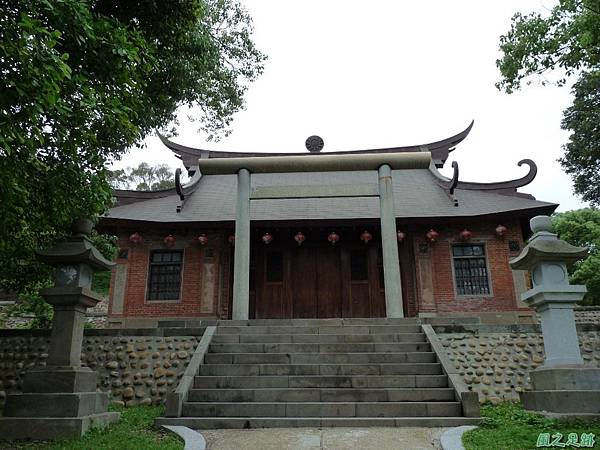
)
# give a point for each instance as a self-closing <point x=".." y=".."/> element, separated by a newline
<point x="360" y="302"/>
<point x="303" y="282"/>
<point x="376" y="287"/>
<point x="328" y="287"/>
<point x="270" y="305"/>
<point x="271" y="292"/>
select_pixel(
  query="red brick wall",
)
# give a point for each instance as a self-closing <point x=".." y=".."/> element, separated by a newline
<point x="502" y="296"/>
<point x="412" y="252"/>
<point x="189" y="303"/>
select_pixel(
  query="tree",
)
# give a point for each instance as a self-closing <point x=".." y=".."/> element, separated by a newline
<point x="143" y="178"/>
<point x="84" y="80"/>
<point x="582" y="228"/>
<point x="566" y="41"/>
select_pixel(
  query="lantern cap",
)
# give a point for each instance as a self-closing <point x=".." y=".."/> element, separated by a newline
<point x="77" y="249"/>
<point x="545" y="245"/>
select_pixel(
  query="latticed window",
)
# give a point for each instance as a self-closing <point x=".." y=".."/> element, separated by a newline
<point x="165" y="275"/>
<point x="470" y="269"/>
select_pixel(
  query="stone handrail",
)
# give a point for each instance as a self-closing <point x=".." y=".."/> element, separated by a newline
<point x="469" y="399"/>
<point x="176" y="398"/>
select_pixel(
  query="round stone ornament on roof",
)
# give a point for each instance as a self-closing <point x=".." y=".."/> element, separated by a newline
<point x="314" y="144"/>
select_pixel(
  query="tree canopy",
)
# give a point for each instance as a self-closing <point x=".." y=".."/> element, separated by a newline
<point x="582" y="228"/>
<point x="84" y="80"/>
<point x="556" y="47"/>
<point x="144" y="177"/>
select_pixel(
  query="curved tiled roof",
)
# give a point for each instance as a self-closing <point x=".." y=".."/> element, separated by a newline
<point x="419" y="192"/>
<point x="439" y="150"/>
<point x="416" y="194"/>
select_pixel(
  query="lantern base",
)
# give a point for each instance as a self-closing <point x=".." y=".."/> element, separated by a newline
<point x="578" y="378"/>
<point x="60" y="379"/>
<point x="569" y="390"/>
<point x="57" y="402"/>
<point x="45" y="428"/>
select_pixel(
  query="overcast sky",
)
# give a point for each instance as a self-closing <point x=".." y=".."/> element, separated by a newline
<point x="390" y="73"/>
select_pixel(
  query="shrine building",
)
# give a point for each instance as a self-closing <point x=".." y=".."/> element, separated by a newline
<point x="361" y="233"/>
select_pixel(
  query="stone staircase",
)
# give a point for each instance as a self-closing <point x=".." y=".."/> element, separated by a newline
<point x="320" y="373"/>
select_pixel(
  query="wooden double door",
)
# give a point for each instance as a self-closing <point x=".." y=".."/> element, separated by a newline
<point x="317" y="281"/>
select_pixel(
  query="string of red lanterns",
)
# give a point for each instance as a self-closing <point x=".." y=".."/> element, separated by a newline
<point x="366" y="237"/>
<point x="465" y="235"/>
<point x="333" y="238"/>
<point x="299" y="237"/>
<point x="432" y="235"/>
<point x="169" y="240"/>
<point x="136" y="238"/>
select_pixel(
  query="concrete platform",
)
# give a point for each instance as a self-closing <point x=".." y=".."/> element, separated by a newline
<point x="215" y="423"/>
<point x="327" y="438"/>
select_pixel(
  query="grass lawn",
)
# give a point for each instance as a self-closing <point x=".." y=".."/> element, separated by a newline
<point x="509" y="427"/>
<point x="134" y="432"/>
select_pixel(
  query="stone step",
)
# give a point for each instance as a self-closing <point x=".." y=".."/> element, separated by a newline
<point x="318" y="358"/>
<point x="322" y="409"/>
<point x="399" y="347"/>
<point x="211" y="423"/>
<point x="317" y="338"/>
<point x="321" y="381"/>
<point x="321" y="369"/>
<point x="323" y="395"/>
<point x="319" y="329"/>
<point x="315" y="322"/>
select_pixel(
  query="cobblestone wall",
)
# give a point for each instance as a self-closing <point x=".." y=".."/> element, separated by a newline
<point x="588" y="315"/>
<point x="496" y="365"/>
<point x="134" y="369"/>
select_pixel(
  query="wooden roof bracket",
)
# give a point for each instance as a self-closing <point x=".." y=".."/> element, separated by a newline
<point x="453" y="184"/>
<point x="500" y="187"/>
<point x="186" y="190"/>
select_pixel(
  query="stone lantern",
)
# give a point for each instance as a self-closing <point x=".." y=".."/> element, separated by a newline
<point x="563" y="385"/>
<point x="60" y="399"/>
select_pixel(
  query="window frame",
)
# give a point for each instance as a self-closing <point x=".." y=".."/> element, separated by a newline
<point x="487" y="269"/>
<point x="151" y="252"/>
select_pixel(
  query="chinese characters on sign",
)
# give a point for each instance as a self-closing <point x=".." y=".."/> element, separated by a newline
<point x="586" y="440"/>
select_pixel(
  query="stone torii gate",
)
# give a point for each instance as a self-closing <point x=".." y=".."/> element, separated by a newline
<point x="382" y="163"/>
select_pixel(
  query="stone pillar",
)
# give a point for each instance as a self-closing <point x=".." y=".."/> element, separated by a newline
<point x="67" y="336"/>
<point x="389" y="244"/>
<point x="241" y="267"/>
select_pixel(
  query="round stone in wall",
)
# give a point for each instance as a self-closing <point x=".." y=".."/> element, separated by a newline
<point x="314" y="144"/>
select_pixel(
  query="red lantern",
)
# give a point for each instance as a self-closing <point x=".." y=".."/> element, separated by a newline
<point x="203" y="239"/>
<point x="169" y="240"/>
<point x="432" y="235"/>
<point x="333" y="237"/>
<point x="401" y="236"/>
<point x="366" y="237"/>
<point x="299" y="237"/>
<point x="267" y="238"/>
<point x="231" y="239"/>
<point x="501" y="230"/>
<point x="136" y="238"/>
<point x="465" y="235"/>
